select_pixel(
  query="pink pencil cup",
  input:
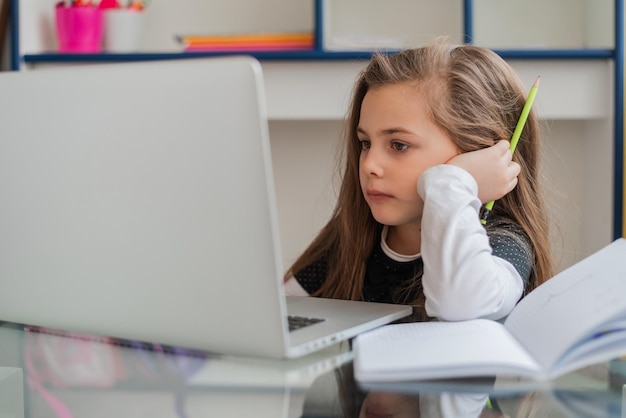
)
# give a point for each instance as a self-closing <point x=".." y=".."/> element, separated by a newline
<point x="79" y="28"/>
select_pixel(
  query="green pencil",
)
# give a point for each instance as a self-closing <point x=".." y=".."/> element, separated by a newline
<point x="515" y="138"/>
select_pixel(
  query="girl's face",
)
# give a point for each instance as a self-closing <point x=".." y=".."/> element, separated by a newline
<point x="398" y="142"/>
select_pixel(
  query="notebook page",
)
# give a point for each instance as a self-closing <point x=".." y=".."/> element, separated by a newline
<point x="572" y="304"/>
<point x="431" y="350"/>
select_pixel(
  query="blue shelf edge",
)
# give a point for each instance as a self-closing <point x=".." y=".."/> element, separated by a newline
<point x="15" y="30"/>
<point x="468" y="21"/>
<point x="549" y="54"/>
<point x="148" y="56"/>
<point x="556" y="54"/>
<point x="619" y="211"/>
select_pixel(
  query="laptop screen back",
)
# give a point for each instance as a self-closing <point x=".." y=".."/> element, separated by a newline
<point x="138" y="202"/>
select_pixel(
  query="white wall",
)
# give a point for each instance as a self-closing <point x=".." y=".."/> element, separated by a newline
<point x="351" y="24"/>
<point x="304" y="156"/>
<point x="578" y="176"/>
<point x="544" y="24"/>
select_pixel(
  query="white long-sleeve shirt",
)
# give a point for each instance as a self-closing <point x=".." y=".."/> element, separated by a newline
<point x="462" y="278"/>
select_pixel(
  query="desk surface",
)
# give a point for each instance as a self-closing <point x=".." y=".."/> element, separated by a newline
<point x="53" y="374"/>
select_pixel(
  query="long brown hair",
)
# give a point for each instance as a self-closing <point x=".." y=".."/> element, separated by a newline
<point x="476" y="98"/>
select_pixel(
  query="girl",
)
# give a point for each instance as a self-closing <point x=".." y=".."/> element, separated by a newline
<point x="426" y="143"/>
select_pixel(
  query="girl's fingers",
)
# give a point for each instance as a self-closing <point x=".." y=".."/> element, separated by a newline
<point x="503" y="146"/>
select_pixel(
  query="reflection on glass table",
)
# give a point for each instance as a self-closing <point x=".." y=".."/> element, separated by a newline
<point x="585" y="393"/>
<point x="60" y="374"/>
<point x="46" y="373"/>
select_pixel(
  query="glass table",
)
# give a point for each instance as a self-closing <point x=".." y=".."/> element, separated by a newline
<point x="46" y="373"/>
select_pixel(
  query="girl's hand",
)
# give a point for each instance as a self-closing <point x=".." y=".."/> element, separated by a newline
<point x="492" y="168"/>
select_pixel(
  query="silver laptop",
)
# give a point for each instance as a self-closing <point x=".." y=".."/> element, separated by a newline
<point x="138" y="203"/>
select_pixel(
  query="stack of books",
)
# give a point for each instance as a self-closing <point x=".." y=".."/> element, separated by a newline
<point x="251" y="42"/>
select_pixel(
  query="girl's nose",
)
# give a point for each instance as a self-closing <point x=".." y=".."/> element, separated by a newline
<point x="371" y="163"/>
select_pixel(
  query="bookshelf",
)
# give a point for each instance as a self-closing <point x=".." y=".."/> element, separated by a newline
<point x="467" y="20"/>
<point x="583" y="48"/>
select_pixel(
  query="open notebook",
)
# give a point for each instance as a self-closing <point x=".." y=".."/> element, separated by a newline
<point x="138" y="203"/>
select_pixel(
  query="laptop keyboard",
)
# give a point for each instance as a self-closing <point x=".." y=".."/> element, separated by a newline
<point x="297" y="322"/>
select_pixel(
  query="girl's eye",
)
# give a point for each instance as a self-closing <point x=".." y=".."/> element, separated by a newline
<point x="365" y="144"/>
<point x="399" y="146"/>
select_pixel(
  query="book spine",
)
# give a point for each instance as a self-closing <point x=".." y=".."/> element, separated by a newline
<point x="246" y="48"/>
<point x="247" y="38"/>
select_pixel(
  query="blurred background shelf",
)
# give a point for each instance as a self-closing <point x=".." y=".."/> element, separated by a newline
<point x="577" y="46"/>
